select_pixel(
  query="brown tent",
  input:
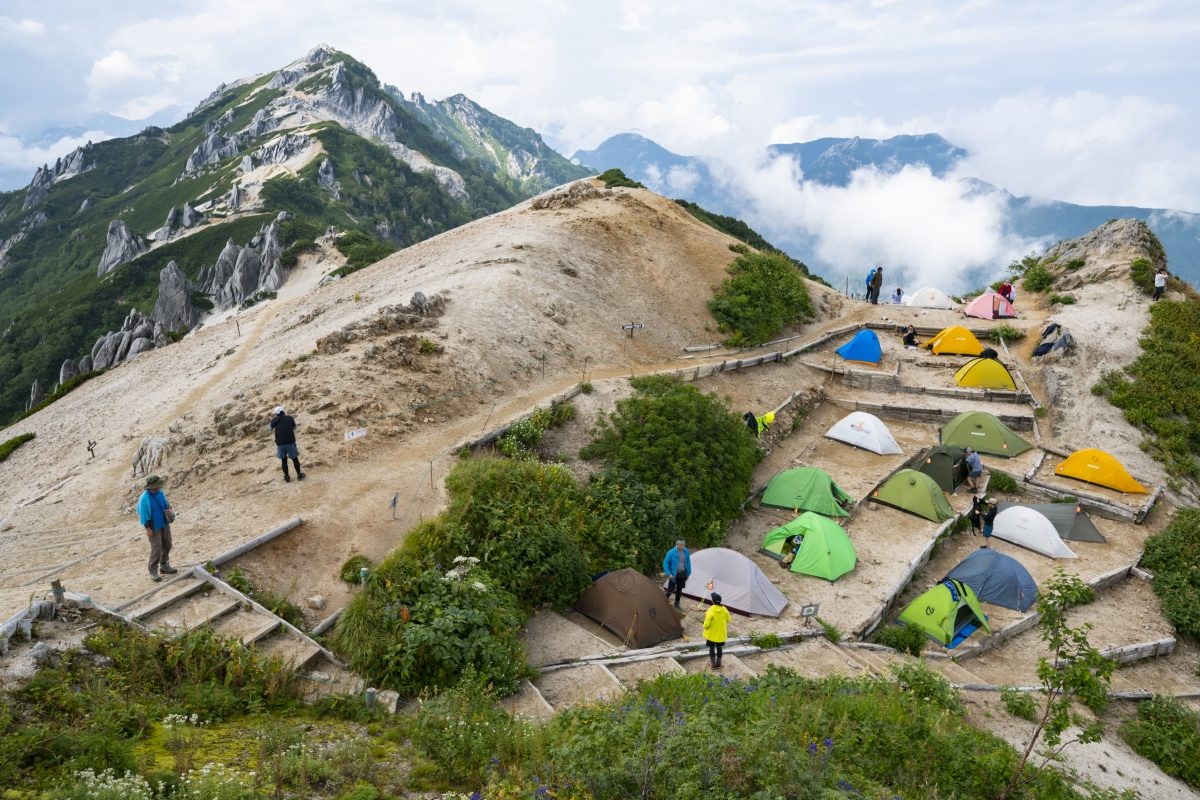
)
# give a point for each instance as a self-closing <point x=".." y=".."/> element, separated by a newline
<point x="632" y="606"/>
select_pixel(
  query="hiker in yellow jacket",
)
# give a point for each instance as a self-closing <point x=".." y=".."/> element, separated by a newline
<point x="716" y="630"/>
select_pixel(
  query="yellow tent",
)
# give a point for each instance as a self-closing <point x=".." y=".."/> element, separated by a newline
<point x="1101" y="468"/>
<point x="955" y="340"/>
<point x="985" y="373"/>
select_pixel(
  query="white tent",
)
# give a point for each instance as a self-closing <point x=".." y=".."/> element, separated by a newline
<point x="930" y="298"/>
<point x="864" y="430"/>
<point x="1030" y="529"/>
<point x="741" y="584"/>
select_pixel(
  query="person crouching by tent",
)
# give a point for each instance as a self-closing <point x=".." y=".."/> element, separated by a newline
<point x="677" y="564"/>
<point x="989" y="519"/>
<point x="974" y="469"/>
<point x="910" y="338"/>
<point x="716" y="630"/>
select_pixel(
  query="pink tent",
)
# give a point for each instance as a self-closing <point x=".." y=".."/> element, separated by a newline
<point x="989" y="305"/>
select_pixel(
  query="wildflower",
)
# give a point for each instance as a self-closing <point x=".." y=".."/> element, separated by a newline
<point x="479" y="587"/>
<point x="828" y="743"/>
<point x="812" y="748"/>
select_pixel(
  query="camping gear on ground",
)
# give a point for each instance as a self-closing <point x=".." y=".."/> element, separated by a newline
<point x="949" y="613"/>
<point x="1056" y="341"/>
<point x="632" y="606"/>
<point x="989" y="305"/>
<point x="984" y="433"/>
<point x="864" y="430"/>
<point x="823" y="550"/>
<point x="1071" y="521"/>
<point x="1101" y="468"/>
<point x="807" y="489"/>
<point x="916" y="493"/>
<point x="742" y="585"/>
<point x="947" y="465"/>
<point x="929" y="297"/>
<point x="997" y="578"/>
<point x="1030" y="529"/>
<point x="758" y="425"/>
<point x="863" y="348"/>
<point x="955" y="340"/>
<point x="985" y="373"/>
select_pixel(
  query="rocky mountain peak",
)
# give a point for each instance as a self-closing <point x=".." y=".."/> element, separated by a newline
<point x="1104" y="254"/>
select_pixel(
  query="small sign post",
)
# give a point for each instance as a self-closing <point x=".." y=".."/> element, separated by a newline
<point x="808" y="612"/>
<point x="351" y="436"/>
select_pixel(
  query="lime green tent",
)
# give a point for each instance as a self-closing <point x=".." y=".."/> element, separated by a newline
<point x="825" y="549"/>
<point x="916" y="493"/>
<point x="981" y="431"/>
<point x="948" y="612"/>
<point x="807" y="489"/>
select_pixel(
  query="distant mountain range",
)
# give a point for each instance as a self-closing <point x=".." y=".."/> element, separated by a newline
<point x="832" y="162"/>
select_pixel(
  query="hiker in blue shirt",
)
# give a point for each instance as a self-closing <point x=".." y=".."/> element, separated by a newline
<point x="677" y="564"/>
<point x="156" y="515"/>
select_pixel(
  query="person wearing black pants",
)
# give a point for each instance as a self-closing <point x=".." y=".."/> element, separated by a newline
<point x="677" y="564"/>
<point x="285" y="443"/>
<point x="716" y="630"/>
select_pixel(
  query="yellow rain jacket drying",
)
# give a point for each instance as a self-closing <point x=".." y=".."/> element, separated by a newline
<point x="716" y="624"/>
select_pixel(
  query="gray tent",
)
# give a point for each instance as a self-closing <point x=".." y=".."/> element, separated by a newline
<point x="997" y="578"/>
<point x="1068" y="519"/>
<point x="742" y="585"/>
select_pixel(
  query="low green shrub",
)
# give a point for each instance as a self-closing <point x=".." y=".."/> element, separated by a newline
<point x="1141" y="271"/>
<point x="1075" y="263"/>
<point x="274" y="602"/>
<point x="904" y="638"/>
<point x="763" y="294"/>
<point x="586" y="387"/>
<point x="464" y="733"/>
<point x="9" y="446"/>
<point x="64" y="388"/>
<point x="1037" y="279"/>
<point x="351" y="571"/>
<point x="1173" y="555"/>
<point x="928" y="685"/>
<point x="831" y="631"/>
<point x="1001" y="482"/>
<point x="1063" y="299"/>
<point x="616" y="178"/>
<point x="1166" y="732"/>
<point x="361" y="250"/>
<point x="766" y="641"/>
<point x="1019" y="704"/>
<point x="1006" y="332"/>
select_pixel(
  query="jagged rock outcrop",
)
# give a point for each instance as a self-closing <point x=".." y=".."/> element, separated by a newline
<point x="282" y="148"/>
<point x="263" y="123"/>
<point x="327" y="180"/>
<point x="241" y="272"/>
<point x="149" y="455"/>
<point x="85" y="364"/>
<point x="174" y="309"/>
<point x="168" y="227"/>
<point x="1103" y="254"/>
<point x="122" y="246"/>
<point x="85" y="205"/>
<point x="36" y="395"/>
<point x="71" y="164"/>
<point x="235" y="197"/>
<point x="217" y="147"/>
<point x="138" y="334"/>
<point x="68" y="370"/>
<point x="189" y="217"/>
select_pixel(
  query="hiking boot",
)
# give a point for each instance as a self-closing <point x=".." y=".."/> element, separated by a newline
<point x="678" y="606"/>
<point x="300" y="476"/>
<point x="167" y="569"/>
<point x="154" y="576"/>
<point x="287" y="478"/>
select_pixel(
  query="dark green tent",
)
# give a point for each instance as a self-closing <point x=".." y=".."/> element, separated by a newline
<point x="916" y="493"/>
<point x="946" y="466"/>
<point x="807" y="489"/>
<point x="981" y="431"/>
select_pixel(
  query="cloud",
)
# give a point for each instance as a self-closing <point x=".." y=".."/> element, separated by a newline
<point x="16" y="154"/>
<point x="685" y="117"/>
<point x="133" y="87"/>
<point x="813" y="126"/>
<point x="21" y="27"/>
<point x="1084" y="147"/>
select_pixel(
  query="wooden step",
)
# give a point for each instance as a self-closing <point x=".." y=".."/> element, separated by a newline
<point x="587" y="683"/>
<point x="295" y="652"/>
<point x="732" y="667"/>
<point x="246" y="625"/>
<point x="324" y="677"/>
<point x="878" y="663"/>
<point x="168" y="594"/>
<point x="812" y="658"/>
<point x="633" y="673"/>
<point x="191" y="612"/>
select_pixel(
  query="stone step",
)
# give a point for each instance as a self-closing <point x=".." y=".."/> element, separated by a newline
<point x="295" y="652"/>
<point x="325" y="678"/>
<point x="575" y="686"/>
<point x="168" y="594"/>
<point x="732" y="666"/>
<point x="812" y="658"/>
<point x="191" y="612"/>
<point x="632" y="673"/>
<point x="954" y="672"/>
<point x="246" y="625"/>
<point x="528" y="703"/>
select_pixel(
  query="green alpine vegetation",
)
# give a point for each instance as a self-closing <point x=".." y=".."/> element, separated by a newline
<point x="763" y="294"/>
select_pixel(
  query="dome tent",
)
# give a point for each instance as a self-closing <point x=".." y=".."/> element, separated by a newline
<point x="632" y="606"/>
<point x="1103" y="469"/>
<point x="1072" y="522"/>
<point x="985" y="373"/>
<point x="807" y="489"/>
<point x="1027" y="528"/>
<point x="825" y="550"/>
<point x="947" y="466"/>
<point x="864" y="430"/>
<point x="955" y="340"/>
<point x="949" y="612"/>
<point x="997" y="578"/>
<point x="864" y="348"/>
<point x="984" y="433"/>
<point x="742" y="585"/>
<point x="989" y="305"/>
<point x="929" y="297"/>
<point x="916" y="493"/>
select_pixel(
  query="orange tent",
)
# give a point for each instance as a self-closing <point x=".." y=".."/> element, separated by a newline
<point x="955" y="340"/>
<point x="1101" y="468"/>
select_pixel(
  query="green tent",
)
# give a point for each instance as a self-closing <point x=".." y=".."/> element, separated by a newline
<point x="807" y="489"/>
<point x="916" y="493"/>
<point x="946" y="612"/>
<point x="946" y="466"/>
<point x="825" y="549"/>
<point x="981" y="431"/>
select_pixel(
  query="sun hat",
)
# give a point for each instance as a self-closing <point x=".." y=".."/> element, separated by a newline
<point x="680" y="543"/>
<point x="153" y="482"/>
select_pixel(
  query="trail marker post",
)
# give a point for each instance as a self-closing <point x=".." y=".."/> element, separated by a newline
<point x="351" y="436"/>
<point x="808" y="612"/>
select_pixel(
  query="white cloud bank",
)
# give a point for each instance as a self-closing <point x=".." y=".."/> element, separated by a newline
<point x="16" y="155"/>
<point x="23" y="28"/>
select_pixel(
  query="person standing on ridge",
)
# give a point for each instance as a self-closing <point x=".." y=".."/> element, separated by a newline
<point x="677" y="564"/>
<point x="876" y="283"/>
<point x="156" y="515"/>
<point x="1160" y="282"/>
<point x="285" y="442"/>
<point x="870" y="277"/>
<point x="716" y="630"/>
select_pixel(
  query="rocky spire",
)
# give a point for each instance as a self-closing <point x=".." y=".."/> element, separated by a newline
<point x="122" y="246"/>
<point x="174" y="309"/>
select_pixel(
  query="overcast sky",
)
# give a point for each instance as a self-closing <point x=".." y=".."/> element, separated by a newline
<point x="1091" y="102"/>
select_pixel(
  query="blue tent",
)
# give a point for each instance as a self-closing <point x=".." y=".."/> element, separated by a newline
<point x="863" y="347"/>
<point x="997" y="578"/>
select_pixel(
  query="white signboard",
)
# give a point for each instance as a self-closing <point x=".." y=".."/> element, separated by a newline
<point x="810" y="611"/>
<point x="357" y="433"/>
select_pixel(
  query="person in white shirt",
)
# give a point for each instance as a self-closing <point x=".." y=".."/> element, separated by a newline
<point x="1160" y="282"/>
